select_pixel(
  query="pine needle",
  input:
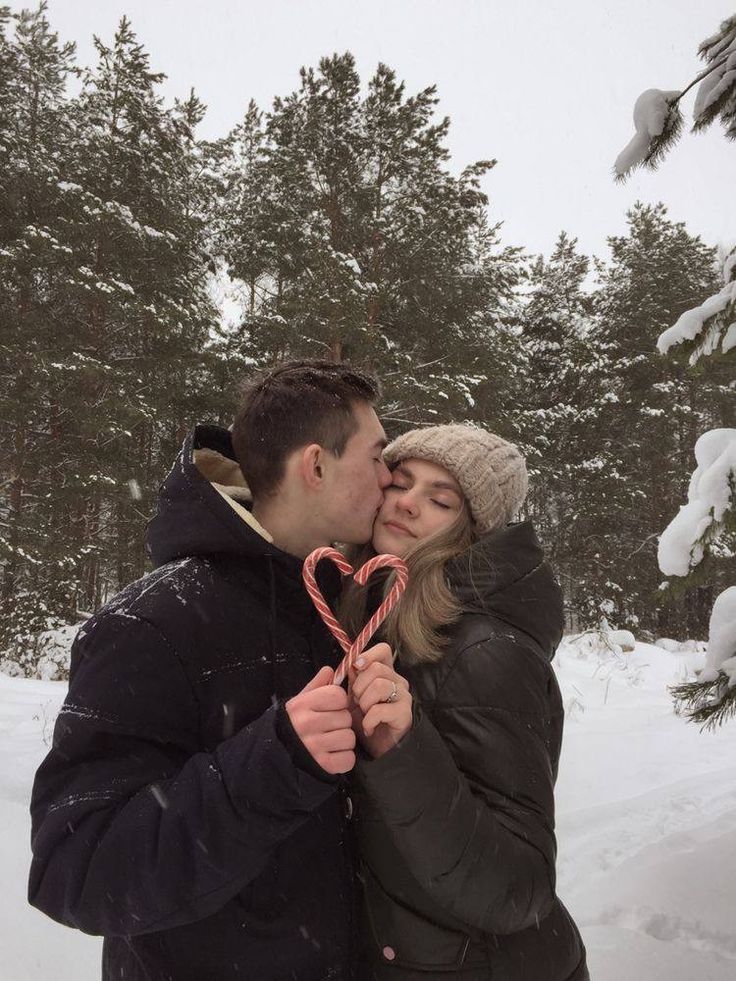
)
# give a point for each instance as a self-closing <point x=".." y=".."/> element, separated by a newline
<point x="708" y="703"/>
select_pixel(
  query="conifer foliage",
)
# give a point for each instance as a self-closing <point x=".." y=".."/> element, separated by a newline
<point x="651" y="415"/>
<point x="558" y="403"/>
<point x="658" y="118"/>
<point x="335" y="211"/>
<point x="144" y="273"/>
<point x="35" y="260"/>
<point x="104" y="312"/>
<point x="354" y="241"/>
<point x="699" y="543"/>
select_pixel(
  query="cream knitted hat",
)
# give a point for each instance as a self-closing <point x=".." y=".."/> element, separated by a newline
<point x="490" y="471"/>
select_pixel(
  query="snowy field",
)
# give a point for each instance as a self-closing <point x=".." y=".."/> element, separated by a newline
<point x="646" y="825"/>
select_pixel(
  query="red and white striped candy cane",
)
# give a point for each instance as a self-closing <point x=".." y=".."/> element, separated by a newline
<point x="310" y="564"/>
<point x="352" y="650"/>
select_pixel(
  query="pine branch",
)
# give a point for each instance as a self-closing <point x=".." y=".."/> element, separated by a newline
<point x="709" y="703"/>
<point x="661" y="144"/>
<point x="699" y="78"/>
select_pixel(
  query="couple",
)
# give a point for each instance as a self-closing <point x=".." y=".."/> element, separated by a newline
<point x="217" y="809"/>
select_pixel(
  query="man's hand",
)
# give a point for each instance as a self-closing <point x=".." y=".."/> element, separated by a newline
<point x="379" y="724"/>
<point x="320" y="717"/>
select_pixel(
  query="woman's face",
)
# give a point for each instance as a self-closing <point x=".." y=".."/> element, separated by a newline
<point x="423" y="498"/>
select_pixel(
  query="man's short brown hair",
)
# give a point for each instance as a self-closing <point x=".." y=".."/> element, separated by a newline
<point x="298" y="403"/>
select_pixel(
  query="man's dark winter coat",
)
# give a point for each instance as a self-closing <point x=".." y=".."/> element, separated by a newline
<point x="456" y="824"/>
<point x="178" y="814"/>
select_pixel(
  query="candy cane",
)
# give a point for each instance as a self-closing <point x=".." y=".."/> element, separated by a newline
<point x="354" y="648"/>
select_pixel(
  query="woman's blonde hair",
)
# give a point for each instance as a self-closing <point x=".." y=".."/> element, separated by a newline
<point x="415" y="627"/>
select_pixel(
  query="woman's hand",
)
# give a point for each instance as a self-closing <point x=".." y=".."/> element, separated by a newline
<point x="379" y="724"/>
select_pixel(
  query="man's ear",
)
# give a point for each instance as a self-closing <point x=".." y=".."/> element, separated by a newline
<point x="311" y="465"/>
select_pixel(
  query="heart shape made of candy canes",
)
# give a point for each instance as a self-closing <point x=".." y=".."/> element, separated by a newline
<point x="353" y="648"/>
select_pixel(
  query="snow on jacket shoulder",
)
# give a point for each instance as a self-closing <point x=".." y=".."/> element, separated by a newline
<point x="173" y="814"/>
<point x="456" y="824"/>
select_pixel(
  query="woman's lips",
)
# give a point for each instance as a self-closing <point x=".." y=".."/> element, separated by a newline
<point x="396" y="527"/>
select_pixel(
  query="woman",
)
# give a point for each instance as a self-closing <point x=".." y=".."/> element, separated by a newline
<point x="461" y="738"/>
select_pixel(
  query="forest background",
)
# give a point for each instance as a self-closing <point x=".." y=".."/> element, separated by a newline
<point x="145" y="272"/>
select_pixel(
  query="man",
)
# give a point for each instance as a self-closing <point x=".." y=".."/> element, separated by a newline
<point x="190" y="810"/>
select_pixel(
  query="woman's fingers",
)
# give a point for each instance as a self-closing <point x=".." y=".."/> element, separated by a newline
<point x="378" y="653"/>
<point x="380" y="691"/>
<point x="373" y="681"/>
<point x="396" y="715"/>
<point x="364" y="678"/>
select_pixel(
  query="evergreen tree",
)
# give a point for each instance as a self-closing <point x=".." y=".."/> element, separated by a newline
<point x="564" y="385"/>
<point x="355" y="242"/>
<point x="651" y="414"/>
<point x="244" y="240"/>
<point x="105" y="270"/>
<point x="705" y="528"/>
<point x="141" y="310"/>
<point x="35" y="261"/>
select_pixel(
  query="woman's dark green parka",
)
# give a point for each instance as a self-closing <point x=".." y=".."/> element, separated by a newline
<point x="456" y="824"/>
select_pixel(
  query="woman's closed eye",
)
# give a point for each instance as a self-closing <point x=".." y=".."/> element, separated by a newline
<point x="439" y="504"/>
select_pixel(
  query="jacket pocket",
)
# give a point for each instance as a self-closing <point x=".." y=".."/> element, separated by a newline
<point x="404" y="938"/>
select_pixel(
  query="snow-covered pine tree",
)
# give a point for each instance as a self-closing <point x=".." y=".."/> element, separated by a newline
<point x="699" y="543"/>
<point x="702" y="536"/>
<point x="105" y="313"/>
<point x="377" y="253"/>
<point x="138" y="300"/>
<point x="39" y="584"/>
<point x="559" y="402"/>
<point x="244" y="243"/>
<point x="485" y="360"/>
<point x="652" y="411"/>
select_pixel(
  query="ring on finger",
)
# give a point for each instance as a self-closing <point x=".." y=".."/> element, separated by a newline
<point x="394" y="693"/>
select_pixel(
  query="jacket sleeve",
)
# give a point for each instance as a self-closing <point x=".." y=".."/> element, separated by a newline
<point x="133" y="829"/>
<point x="467" y="795"/>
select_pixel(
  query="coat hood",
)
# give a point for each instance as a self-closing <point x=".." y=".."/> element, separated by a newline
<point x="204" y="509"/>
<point x="506" y="575"/>
<point x="203" y="504"/>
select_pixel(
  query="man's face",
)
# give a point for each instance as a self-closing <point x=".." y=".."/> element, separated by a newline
<point x="356" y="480"/>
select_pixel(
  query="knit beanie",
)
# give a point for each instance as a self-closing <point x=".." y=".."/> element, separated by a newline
<point x="490" y="471"/>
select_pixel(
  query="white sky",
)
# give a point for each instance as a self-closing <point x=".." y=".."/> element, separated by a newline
<point x="545" y="87"/>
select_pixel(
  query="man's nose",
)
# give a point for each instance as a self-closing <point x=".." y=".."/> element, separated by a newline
<point x="385" y="477"/>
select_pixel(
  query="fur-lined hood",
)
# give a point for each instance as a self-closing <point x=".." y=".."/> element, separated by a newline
<point x="203" y="505"/>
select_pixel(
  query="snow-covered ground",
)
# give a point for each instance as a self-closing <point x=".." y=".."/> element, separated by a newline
<point x="646" y="825"/>
<point x="646" y="819"/>
<point x="33" y="947"/>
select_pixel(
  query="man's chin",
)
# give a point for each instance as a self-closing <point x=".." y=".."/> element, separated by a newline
<point x="357" y="541"/>
<point x="370" y="536"/>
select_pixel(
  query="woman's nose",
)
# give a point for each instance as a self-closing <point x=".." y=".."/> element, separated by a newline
<point x="407" y="503"/>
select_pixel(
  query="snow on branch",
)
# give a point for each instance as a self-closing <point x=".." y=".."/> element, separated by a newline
<point x="658" y="118"/>
<point x="715" y="319"/>
<point x="658" y="123"/>
<point x="711" y="699"/>
<point x="722" y="639"/>
<point x="716" y="94"/>
<point x="710" y="495"/>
